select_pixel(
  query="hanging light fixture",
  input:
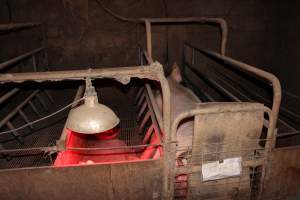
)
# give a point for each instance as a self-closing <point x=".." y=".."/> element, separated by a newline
<point x="91" y="117"/>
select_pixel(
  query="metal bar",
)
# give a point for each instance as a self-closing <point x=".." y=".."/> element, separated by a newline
<point x="150" y="93"/>
<point x="145" y="119"/>
<point x="115" y="147"/>
<point x="141" y="100"/>
<point x="142" y="111"/>
<point x="16" y="26"/>
<point x="122" y="74"/>
<point x="156" y="124"/>
<point x="18" y="58"/>
<point x="25" y="118"/>
<point x="253" y="100"/>
<point x="284" y="110"/>
<point x="166" y="121"/>
<point x="292" y="133"/>
<point x="231" y="95"/>
<point x="215" y="84"/>
<point x="148" y="133"/>
<point x="248" y="68"/>
<point x="139" y="93"/>
<point x="16" y="110"/>
<point x="154" y="105"/>
<point x="8" y="95"/>
<point x="34" y="63"/>
<point x="17" y="136"/>
<point x="219" y="21"/>
<point x="43" y="103"/>
<point x="49" y="96"/>
<point x="34" y="108"/>
<point x="42" y="149"/>
<point x="148" y="37"/>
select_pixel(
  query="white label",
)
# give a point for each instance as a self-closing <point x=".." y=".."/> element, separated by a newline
<point x="216" y="170"/>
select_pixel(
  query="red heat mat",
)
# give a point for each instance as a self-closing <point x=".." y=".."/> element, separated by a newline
<point x="104" y="140"/>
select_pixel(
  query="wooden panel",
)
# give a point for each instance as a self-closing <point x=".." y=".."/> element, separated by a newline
<point x="138" y="180"/>
<point x="284" y="178"/>
<point x="220" y="136"/>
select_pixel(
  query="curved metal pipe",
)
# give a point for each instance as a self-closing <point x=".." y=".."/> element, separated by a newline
<point x="277" y="94"/>
<point x="219" y="21"/>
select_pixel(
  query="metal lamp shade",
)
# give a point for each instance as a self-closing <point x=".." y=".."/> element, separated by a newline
<point x="91" y="118"/>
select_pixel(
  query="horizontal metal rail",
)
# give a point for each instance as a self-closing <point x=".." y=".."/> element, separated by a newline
<point x="19" y="58"/>
<point x="18" y="26"/>
<point x="121" y="74"/>
<point x="272" y="79"/>
<point x="219" y="86"/>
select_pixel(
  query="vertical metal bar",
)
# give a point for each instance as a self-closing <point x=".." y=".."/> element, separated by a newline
<point x="34" y="108"/>
<point x="34" y="63"/>
<point x="193" y="56"/>
<point x="149" y="38"/>
<point x="41" y="100"/>
<point x="25" y="118"/>
<point x="15" y="133"/>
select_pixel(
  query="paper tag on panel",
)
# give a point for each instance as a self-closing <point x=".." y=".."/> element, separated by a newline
<point x="228" y="168"/>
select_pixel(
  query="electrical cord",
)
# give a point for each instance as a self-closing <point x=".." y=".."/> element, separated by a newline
<point x="119" y="17"/>
<point x="43" y="118"/>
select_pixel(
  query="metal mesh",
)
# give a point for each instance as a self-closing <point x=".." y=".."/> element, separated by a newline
<point x="189" y="183"/>
<point x="47" y="132"/>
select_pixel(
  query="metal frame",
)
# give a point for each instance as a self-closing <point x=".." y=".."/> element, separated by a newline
<point x="213" y="108"/>
<point x="153" y="71"/>
<point x="199" y="20"/>
<point x="272" y="79"/>
<point x="273" y="114"/>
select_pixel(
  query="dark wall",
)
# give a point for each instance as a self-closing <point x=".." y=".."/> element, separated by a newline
<point x="80" y="34"/>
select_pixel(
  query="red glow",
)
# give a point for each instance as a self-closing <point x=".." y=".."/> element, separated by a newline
<point x="106" y="139"/>
<point x="110" y="134"/>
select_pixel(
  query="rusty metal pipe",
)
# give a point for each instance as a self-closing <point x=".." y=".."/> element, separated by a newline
<point x="219" y="21"/>
<point x="261" y="73"/>
<point x="16" y="26"/>
<point x="19" y="58"/>
<point x="122" y="74"/>
<point x="154" y="106"/>
<point x="8" y="95"/>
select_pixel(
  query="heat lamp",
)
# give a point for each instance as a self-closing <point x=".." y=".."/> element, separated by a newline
<point x="91" y="117"/>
